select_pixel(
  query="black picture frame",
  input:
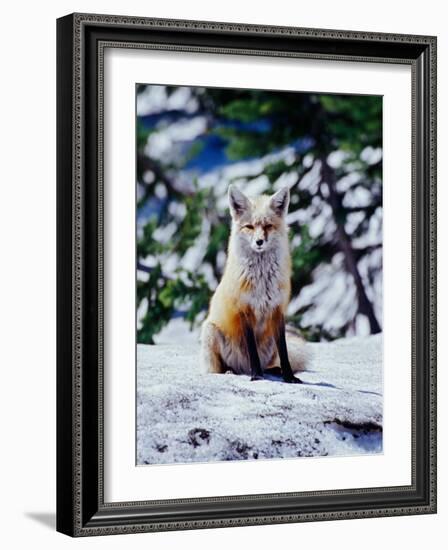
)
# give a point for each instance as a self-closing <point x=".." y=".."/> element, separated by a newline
<point x="81" y="39"/>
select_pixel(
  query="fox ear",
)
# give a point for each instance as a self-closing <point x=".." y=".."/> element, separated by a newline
<point x="238" y="202"/>
<point x="280" y="201"/>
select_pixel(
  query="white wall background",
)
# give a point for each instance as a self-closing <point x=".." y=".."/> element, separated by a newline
<point x="27" y="272"/>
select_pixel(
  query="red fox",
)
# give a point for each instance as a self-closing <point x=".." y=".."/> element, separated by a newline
<point x="245" y="328"/>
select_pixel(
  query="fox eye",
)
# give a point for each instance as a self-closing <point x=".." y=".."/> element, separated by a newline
<point x="248" y="226"/>
<point x="268" y="226"/>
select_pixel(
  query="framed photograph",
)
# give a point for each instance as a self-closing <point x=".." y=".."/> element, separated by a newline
<point x="246" y="274"/>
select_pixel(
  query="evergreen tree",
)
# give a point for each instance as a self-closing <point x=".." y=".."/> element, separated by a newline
<point x="193" y="142"/>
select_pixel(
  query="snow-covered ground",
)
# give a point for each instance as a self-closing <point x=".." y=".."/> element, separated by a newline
<point x="184" y="415"/>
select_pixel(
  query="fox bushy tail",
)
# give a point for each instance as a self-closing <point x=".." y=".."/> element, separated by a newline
<point x="299" y="351"/>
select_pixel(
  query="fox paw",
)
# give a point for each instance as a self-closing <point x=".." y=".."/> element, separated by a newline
<point x="293" y="380"/>
<point x="257" y="377"/>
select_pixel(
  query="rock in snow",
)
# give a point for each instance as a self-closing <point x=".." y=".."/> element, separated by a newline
<point x="184" y="415"/>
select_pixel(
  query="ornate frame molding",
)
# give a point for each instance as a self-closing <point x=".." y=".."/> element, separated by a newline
<point x="81" y="42"/>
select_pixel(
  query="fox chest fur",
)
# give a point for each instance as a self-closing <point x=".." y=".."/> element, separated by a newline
<point x="264" y="283"/>
<point x="263" y="295"/>
<point x="255" y="292"/>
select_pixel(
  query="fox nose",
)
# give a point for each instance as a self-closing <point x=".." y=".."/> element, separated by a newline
<point x="259" y="242"/>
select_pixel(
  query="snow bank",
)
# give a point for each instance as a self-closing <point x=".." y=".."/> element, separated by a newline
<point x="184" y="415"/>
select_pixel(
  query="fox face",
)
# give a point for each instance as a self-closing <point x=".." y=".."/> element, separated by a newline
<point x="259" y="224"/>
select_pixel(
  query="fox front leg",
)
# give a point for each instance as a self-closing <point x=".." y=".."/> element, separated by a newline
<point x="288" y="375"/>
<point x="254" y="359"/>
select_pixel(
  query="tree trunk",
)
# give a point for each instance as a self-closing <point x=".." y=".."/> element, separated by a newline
<point x="343" y="242"/>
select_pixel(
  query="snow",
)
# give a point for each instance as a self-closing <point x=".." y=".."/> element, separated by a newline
<point x="372" y="155"/>
<point x="176" y="330"/>
<point x="184" y="415"/>
<point x="161" y="144"/>
<point x="154" y="99"/>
